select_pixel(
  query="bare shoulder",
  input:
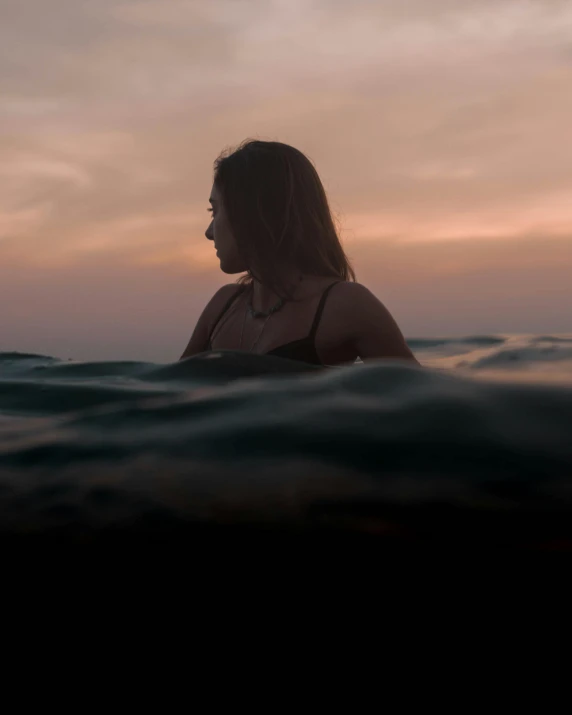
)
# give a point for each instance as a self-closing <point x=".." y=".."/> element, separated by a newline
<point x="351" y="289"/>
<point x="217" y="303"/>
<point x="200" y="337"/>
<point x="224" y="293"/>
<point x="368" y="324"/>
<point x="351" y="297"/>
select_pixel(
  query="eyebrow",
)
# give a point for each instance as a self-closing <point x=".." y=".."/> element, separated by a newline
<point x="212" y="201"/>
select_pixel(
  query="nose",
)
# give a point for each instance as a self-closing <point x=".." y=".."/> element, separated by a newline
<point x="209" y="232"/>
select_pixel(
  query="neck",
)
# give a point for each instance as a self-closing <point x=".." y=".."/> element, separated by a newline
<point x="264" y="298"/>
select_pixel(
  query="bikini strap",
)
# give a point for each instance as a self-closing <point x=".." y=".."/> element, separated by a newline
<point x="320" y="308"/>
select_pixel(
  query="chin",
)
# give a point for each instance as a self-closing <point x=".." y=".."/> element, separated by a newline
<point x="229" y="271"/>
<point x="231" y="268"/>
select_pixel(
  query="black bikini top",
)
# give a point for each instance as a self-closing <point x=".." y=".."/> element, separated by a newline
<point x="303" y="349"/>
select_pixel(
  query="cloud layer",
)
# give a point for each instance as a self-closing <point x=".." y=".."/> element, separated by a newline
<point x="428" y="120"/>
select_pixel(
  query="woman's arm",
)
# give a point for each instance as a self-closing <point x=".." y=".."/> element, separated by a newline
<point x="371" y="328"/>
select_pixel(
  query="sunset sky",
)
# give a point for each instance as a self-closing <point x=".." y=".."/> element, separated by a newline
<point x="441" y="130"/>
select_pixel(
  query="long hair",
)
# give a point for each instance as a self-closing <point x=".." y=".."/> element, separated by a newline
<point x="279" y="214"/>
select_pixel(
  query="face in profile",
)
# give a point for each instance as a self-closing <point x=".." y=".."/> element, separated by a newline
<point x="220" y="232"/>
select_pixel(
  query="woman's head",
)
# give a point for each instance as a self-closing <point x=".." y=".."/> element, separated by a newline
<point x="271" y="216"/>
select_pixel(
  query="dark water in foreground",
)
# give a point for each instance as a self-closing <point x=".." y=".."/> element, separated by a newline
<point x="475" y="449"/>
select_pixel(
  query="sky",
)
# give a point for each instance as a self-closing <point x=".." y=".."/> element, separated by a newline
<point x="441" y="131"/>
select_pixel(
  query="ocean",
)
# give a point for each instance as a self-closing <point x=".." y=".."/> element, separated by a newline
<point x="472" y="449"/>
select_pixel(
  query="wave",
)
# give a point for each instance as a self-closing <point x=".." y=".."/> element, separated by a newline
<point x="386" y="448"/>
<point x="520" y="355"/>
<point x="476" y="340"/>
<point x="529" y="356"/>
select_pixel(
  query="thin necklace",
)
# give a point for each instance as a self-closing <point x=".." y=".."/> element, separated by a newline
<point x="261" y="313"/>
<point x="259" y="334"/>
<point x="256" y="313"/>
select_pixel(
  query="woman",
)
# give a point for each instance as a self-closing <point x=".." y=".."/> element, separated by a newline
<point x="298" y="298"/>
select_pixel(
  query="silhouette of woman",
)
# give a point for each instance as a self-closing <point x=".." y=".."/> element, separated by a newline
<point x="298" y="297"/>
